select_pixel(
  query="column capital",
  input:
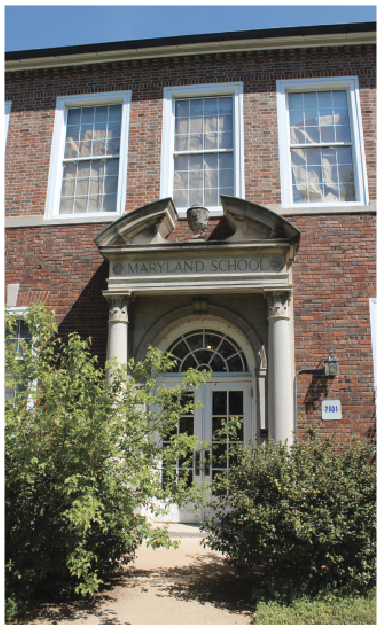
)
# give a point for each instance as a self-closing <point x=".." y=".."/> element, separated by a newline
<point x="118" y="306"/>
<point x="278" y="302"/>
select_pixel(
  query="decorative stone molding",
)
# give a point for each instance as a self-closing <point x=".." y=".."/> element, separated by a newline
<point x="278" y="303"/>
<point x="117" y="268"/>
<point x="200" y="306"/>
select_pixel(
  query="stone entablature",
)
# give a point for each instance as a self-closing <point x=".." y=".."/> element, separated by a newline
<point x="259" y="254"/>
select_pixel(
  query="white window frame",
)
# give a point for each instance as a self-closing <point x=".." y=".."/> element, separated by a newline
<point x="351" y="86"/>
<point x="58" y="146"/>
<point x="230" y="89"/>
<point x="7" y="114"/>
<point x="374" y="331"/>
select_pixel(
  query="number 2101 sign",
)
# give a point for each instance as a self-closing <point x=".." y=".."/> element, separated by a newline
<point x="330" y="410"/>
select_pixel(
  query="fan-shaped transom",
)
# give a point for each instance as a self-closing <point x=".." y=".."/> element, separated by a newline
<point x="207" y="349"/>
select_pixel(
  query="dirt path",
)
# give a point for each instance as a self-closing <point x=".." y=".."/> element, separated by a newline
<point x="188" y="586"/>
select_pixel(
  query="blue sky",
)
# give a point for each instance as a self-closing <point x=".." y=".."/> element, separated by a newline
<point x="33" y="27"/>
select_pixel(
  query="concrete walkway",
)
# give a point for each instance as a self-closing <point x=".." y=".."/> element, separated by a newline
<point x="188" y="586"/>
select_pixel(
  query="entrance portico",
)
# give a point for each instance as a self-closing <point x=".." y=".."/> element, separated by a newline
<point x="243" y="282"/>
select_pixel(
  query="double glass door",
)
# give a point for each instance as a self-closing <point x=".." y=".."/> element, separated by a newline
<point x="222" y="400"/>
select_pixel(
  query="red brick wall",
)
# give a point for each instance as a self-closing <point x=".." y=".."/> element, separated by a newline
<point x="334" y="276"/>
<point x="34" y="93"/>
<point x="61" y="267"/>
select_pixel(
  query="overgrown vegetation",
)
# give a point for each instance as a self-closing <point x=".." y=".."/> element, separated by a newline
<point x="328" y="609"/>
<point x="82" y="460"/>
<point x="303" y="517"/>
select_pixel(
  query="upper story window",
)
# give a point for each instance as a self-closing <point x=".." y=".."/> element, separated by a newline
<point x="89" y="156"/>
<point x="321" y="145"/>
<point x="202" y="152"/>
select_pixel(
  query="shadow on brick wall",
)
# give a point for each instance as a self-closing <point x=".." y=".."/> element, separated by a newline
<point x="89" y="316"/>
<point x="317" y="389"/>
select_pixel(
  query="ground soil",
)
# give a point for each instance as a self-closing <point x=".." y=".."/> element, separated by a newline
<point x="192" y="585"/>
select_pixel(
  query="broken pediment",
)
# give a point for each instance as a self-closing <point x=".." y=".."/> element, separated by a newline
<point x="150" y="224"/>
<point x="254" y="222"/>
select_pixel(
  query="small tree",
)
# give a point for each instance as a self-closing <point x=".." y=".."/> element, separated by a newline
<point x="305" y="515"/>
<point x="82" y="459"/>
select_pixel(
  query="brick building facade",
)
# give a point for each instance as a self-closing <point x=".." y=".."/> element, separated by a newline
<point x="52" y="257"/>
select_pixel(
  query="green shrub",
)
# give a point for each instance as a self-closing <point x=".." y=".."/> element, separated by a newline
<point x="305" y="515"/>
<point x="81" y="461"/>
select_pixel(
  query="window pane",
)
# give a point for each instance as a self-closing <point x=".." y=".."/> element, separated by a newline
<point x="196" y="107"/>
<point x="312" y="135"/>
<point x="70" y="170"/>
<point x="182" y="108"/>
<point x="343" y="134"/>
<point x="211" y="197"/>
<point x="110" y="202"/>
<point x="197" y="124"/>
<point x="225" y="105"/>
<point x="66" y="206"/>
<point x="111" y="167"/>
<point x="95" y="204"/>
<point x="211" y="141"/>
<point x="80" y="205"/>
<point x="181" y="163"/>
<point x="110" y="185"/>
<point x="100" y="130"/>
<point x="227" y="191"/>
<point x="211" y="106"/>
<point x="226" y="178"/>
<point x="180" y="197"/>
<point x="226" y="141"/>
<point x="211" y="161"/>
<point x="226" y="161"/>
<point x="83" y="169"/>
<point x="74" y="116"/>
<point x="68" y="188"/>
<point x="91" y="131"/>
<point x="182" y="126"/>
<point x="211" y="179"/>
<point x="87" y="115"/>
<point x="82" y="187"/>
<point x="316" y="118"/>
<point x="319" y="175"/>
<point x="226" y="123"/>
<point x="180" y="180"/>
<point x="196" y="142"/>
<point x="101" y="113"/>
<point x="196" y="162"/>
<point x="71" y="150"/>
<point x="95" y="186"/>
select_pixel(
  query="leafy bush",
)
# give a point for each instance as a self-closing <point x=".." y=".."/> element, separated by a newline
<point x="304" y="515"/>
<point x="82" y="460"/>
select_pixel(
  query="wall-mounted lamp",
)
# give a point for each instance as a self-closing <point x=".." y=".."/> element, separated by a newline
<point x="331" y="367"/>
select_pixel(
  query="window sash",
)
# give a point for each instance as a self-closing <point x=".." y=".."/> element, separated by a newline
<point x="59" y="162"/>
<point x="346" y="194"/>
<point x="231" y="124"/>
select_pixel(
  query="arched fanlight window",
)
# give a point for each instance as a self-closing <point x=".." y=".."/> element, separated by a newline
<point x="207" y="350"/>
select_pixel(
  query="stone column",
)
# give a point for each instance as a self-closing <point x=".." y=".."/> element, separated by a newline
<point x="118" y="327"/>
<point x="280" y="389"/>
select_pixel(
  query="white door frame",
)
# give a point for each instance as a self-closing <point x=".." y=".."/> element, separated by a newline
<point x="203" y="429"/>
